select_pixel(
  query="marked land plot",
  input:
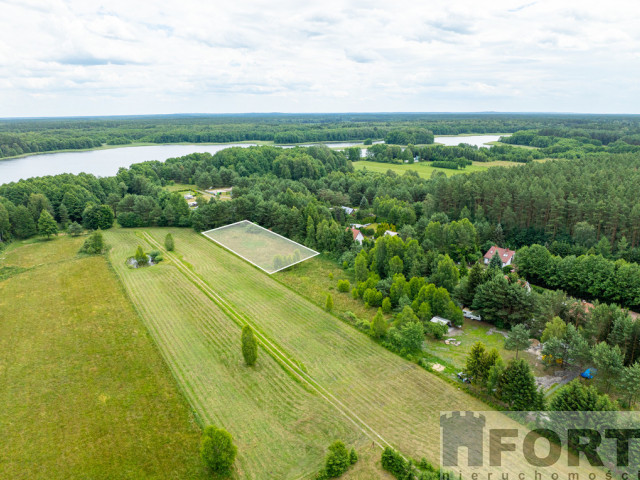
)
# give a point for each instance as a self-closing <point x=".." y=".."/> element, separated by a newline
<point x="261" y="247"/>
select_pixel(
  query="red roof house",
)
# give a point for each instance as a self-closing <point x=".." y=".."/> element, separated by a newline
<point x="506" y="255"/>
<point x="357" y="235"/>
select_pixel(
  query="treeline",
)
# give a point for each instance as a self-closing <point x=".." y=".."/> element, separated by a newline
<point x="19" y="137"/>
<point x="451" y="156"/>
<point x="585" y="276"/>
<point x="545" y="202"/>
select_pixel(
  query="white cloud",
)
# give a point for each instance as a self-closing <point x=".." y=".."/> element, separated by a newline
<point x="75" y="58"/>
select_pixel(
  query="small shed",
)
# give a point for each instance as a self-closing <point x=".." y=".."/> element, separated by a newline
<point x="441" y="321"/>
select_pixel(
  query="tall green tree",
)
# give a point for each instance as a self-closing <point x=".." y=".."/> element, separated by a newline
<point x="518" y="339"/>
<point x="5" y="225"/>
<point x="328" y="306"/>
<point x="22" y="222"/>
<point x="609" y="362"/>
<point x="217" y="450"/>
<point x="362" y="271"/>
<point x="169" y="243"/>
<point x="379" y="325"/>
<point x="630" y="383"/>
<point x="338" y="460"/>
<point x="249" y="346"/>
<point x="576" y="397"/>
<point x="47" y="226"/>
<point x="63" y="215"/>
<point x="517" y="387"/>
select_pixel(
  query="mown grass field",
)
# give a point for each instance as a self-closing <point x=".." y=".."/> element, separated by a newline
<point x="423" y="168"/>
<point x="395" y="398"/>
<point x="259" y="246"/>
<point x="84" y="392"/>
<point x="281" y="429"/>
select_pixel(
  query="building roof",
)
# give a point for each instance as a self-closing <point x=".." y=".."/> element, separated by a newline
<point x="348" y="210"/>
<point x="355" y="233"/>
<point x="391" y="233"/>
<point x="505" y="254"/>
<point x="440" y="320"/>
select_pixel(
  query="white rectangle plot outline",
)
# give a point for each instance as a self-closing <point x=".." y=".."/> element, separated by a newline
<point x="266" y="230"/>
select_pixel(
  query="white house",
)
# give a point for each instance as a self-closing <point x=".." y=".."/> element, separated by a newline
<point x="506" y="255"/>
<point x="357" y="235"/>
<point x="389" y="233"/>
<point x="348" y="210"/>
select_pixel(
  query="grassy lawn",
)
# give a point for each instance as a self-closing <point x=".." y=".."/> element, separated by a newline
<point x="84" y="392"/>
<point x="395" y="398"/>
<point x="258" y="245"/>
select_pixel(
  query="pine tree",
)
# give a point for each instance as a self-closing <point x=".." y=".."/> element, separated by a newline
<point x="630" y="383"/>
<point x="576" y="397"/>
<point x="518" y="339"/>
<point x="353" y="456"/>
<point x="249" y="346"/>
<point x="609" y="362"/>
<point x="517" y="386"/>
<point x="168" y="242"/>
<point x="63" y="214"/>
<point x="379" y="325"/>
<point x="47" y="226"/>
<point x="5" y="225"/>
<point x="475" y="362"/>
<point x="310" y="240"/>
<point x="328" y="306"/>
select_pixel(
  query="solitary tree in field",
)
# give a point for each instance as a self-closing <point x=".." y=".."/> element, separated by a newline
<point x="140" y="256"/>
<point x="47" y="226"/>
<point x="217" y="450"/>
<point x="328" y="306"/>
<point x="518" y="339"/>
<point x="168" y="242"/>
<point x="249" y="346"/>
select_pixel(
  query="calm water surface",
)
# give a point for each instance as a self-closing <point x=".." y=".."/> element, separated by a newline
<point x="106" y="163"/>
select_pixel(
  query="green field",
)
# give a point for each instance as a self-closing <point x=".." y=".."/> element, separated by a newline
<point x="385" y="399"/>
<point x="424" y="169"/>
<point x="83" y="391"/>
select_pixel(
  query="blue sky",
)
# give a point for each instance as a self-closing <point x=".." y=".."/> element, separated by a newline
<point x="140" y="57"/>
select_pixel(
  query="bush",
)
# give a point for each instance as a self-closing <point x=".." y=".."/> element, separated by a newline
<point x="168" y="242"/>
<point x="249" y="346"/>
<point x="353" y="456"/>
<point x="344" y="286"/>
<point x="217" y="450"/>
<point x="338" y="460"/>
<point x="393" y="462"/>
<point x="155" y="254"/>
<point x="140" y="256"/>
<point x="94" y="244"/>
<point x="328" y="306"/>
<point x="75" y="229"/>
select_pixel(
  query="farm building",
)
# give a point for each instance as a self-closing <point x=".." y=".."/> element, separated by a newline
<point x="506" y="255"/>
<point x="357" y="235"/>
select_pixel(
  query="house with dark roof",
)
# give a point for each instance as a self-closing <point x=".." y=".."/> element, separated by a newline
<point x="506" y="255"/>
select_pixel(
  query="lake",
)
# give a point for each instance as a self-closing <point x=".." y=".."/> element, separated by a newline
<point x="105" y="163"/>
<point x="478" y="140"/>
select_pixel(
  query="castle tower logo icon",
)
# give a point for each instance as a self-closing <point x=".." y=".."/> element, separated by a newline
<point x="462" y="429"/>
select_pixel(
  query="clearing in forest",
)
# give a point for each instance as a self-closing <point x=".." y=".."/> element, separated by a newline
<point x="263" y="248"/>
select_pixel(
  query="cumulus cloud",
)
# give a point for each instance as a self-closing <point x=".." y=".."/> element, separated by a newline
<point x="71" y="57"/>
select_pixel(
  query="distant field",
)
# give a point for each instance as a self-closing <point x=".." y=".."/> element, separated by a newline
<point x="423" y="168"/>
<point x="265" y="249"/>
<point x="83" y="391"/>
<point x="395" y="398"/>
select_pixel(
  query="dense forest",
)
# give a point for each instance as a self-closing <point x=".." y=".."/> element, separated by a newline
<point x="25" y="136"/>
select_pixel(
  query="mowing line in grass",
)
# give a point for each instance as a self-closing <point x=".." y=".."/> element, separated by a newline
<point x="276" y="353"/>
